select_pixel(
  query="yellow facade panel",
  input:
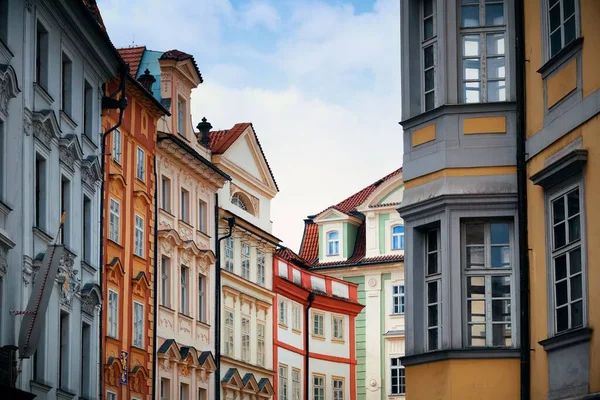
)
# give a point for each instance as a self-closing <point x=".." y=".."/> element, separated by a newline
<point x="561" y="83"/>
<point x="473" y="126"/>
<point x="423" y="135"/>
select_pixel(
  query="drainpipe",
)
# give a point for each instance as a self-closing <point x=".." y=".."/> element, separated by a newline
<point x="156" y="271"/>
<point x="108" y="103"/>
<point x="311" y="298"/>
<point x="522" y="201"/>
<point x="231" y="224"/>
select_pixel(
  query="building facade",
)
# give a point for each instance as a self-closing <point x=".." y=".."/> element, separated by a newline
<point x="129" y="243"/>
<point x="315" y="318"/>
<point x="246" y="264"/>
<point x="54" y="58"/>
<point x="562" y="144"/>
<point x="361" y="240"/>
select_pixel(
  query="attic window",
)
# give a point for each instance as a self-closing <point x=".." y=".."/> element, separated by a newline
<point x="333" y="243"/>
<point x="237" y="200"/>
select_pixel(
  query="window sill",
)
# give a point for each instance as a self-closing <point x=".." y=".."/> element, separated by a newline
<point x="203" y="234"/>
<point x="40" y="90"/>
<point x="564" y="55"/>
<point x="338" y="341"/>
<point x="317" y="337"/>
<point x="186" y="223"/>
<point x="64" y="115"/>
<point x="396" y="315"/>
<point x="5" y="209"/>
<point x="165" y="211"/>
<point x="188" y="317"/>
<point x="87" y="139"/>
<point x="42" y="234"/>
<point x="5" y="52"/>
<point x="136" y="347"/>
<point x="567" y="339"/>
<point x="111" y="241"/>
<point x="203" y="323"/>
<point x="138" y="257"/>
<point x="296" y="331"/>
<point x="116" y="163"/>
<point x="464" y="354"/>
<point x="89" y="267"/>
<point x="283" y="326"/>
<point x="167" y="308"/>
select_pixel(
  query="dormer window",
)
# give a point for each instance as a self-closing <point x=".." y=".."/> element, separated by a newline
<point x="398" y="237"/>
<point x="333" y="243"/>
<point x="180" y="116"/>
<point x="242" y="201"/>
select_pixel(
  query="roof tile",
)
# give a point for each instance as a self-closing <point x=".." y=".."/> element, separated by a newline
<point x="179" y="55"/>
<point x="133" y="57"/>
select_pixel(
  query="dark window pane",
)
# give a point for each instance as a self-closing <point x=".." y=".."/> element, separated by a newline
<point x="569" y="28"/>
<point x="471" y="68"/>
<point x="496" y="68"/>
<point x="573" y="202"/>
<point x="433" y="316"/>
<point x="500" y="233"/>
<point x="575" y="261"/>
<point x="476" y="287"/>
<point x="429" y="101"/>
<point x="432" y="240"/>
<point x="574" y="229"/>
<point x="428" y="56"/>
<point x="427" y="7"/>
<point x="560" y="267"/>
<point x="394" y="380"/>
<point x="576" y="287"/>
<point x="576" y="314"/>
<point x="477" y="335"/>
<point x="558" y="210"/>
<point x="432" y="292"/>
<point x="561" y="293"/>
<point x="501" y="310"/>
<point x="562" y="319"/>
<point x="428" y="28"/>
<point x="476" y="311"/>
<point x="553" y="2"/>
<point x="429" y="79"/>
<point x="474" y="233"/>
<point x="568" y="8"/>
<point x="501" y="335"/>
<point x="500" y="286"/>
<point x="475" y="256"/>
<point x="433" y="339"/>
<point x="555" y="43"/>
<point x="432" y="264"/>
<point x="500" y="256"/>
<point x="494" y="14"/>
<point x="559" y="235"/>
<point x="554" y="18"/>
<point x="470" y="16"/>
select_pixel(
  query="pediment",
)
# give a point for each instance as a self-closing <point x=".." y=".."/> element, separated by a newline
<point x="119" y="179"/>
<point x="140" y="284"/>
<point x="389" y="192"/>
<point x="207" y="361"/>
<point x="233" y="379"/>
<point x="250" y="383"/>
<point x="71" y="152"/>
<point x="9" y="87"/>
<point x="265" y="387"/>
<point x="46" y="127"/>
<point x="142" y="195"/>
<point x="169" y="349"/>
<point x="115" y="270"/>
<point x="331" y="214"/>
<point x="91" y="174"/>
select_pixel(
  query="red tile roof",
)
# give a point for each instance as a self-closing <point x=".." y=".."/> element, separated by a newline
<point x="309" y="248"/>
<point x="93" y="8"/>
<point x="290" y="256"/>
<point x="220" y="141"/>
<point x="133" y="57"/>
<point x="179" y="55"/>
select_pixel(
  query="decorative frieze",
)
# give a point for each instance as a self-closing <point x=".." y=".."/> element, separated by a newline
<point x="68" y="279"/>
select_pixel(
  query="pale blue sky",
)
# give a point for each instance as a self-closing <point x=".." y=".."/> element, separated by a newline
<point x="320" y="81"/>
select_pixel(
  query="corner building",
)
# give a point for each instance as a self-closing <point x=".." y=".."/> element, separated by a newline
<point x="460" y="199"/>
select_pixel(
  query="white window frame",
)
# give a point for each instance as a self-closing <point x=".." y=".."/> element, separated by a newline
<point x="229" y="246"/>
<point x="184" y="277"/>
<point x="398" y="238"/>
<point x="430" y="279"/>
<point x="111" y="395"/>
<point x="114" y="233"/>
<point x="245" y="338"/>
<point x="245" y="260"/>
<point x="296" y="373"/>
<point x="138" y="324"/>
<point x="296" y="317"/>
<point x="260" y="268"/>
<point x="202" y="298"/>
<point x="319" y="386"/>
<point x="202" y="220"/>
<point x="283" y="382"/>
<point x="237" y="200"/>
<point x="261" y="350"/>
<point x="165" y="281"/>
<point x="139" y="236"/>
<point x="318" y="324"/>
<point x="116" y="146"/>
<point x="338" y="385"/>
<point x="184" y="205"/>
<point x="165" y="188"/>
<point x="396" y="368"/>
<point x="229" y="317"/>
<point x="398" y="300"/>
<point x="546" y="26"/>
<point x="180" y="116"/>
<point x="140" y="164"/>
<point x="333" y="243"/>
<point x="283" y="306"/>
<point x="337" y="327"/>
<point x="113" y="313"/>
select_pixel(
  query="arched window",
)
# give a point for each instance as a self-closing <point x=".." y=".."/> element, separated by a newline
<point x="333" y="243"/>
<point x="237" y="200"/>
<point x="398" y="237"/>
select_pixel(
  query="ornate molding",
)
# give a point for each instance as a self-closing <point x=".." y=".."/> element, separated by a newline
<point x="45" y="127"/>
<point x="28" y="270"/>
<point x="27" y="124"/>
<point x="29" y="5"/>
<point x="3" y="259"/>
<point x="90" y="172"/>
<point x="71" y="153"/>
<point x="90" y="298"/>
<point x="67" y="277"/>
<point x="9" y="87"/>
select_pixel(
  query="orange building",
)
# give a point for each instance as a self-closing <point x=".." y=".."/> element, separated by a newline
<point x="128" y="247"/>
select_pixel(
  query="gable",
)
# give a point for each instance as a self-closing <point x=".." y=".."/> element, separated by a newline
<point x="242" y="154"/>
<point x="394" y="196"/>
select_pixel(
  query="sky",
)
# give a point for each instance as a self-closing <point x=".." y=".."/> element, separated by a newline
<point x="319" y="80"/>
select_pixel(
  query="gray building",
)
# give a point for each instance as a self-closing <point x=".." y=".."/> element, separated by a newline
<point x="54" y="58"/>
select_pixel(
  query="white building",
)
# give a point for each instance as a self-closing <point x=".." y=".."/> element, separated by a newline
<point x="54" y="58"/>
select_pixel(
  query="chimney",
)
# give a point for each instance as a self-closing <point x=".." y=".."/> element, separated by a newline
<point x="147" y="80"/>
<point x="204" y="128"/>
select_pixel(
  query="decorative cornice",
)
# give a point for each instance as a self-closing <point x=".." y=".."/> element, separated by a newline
<point x="90" y="172"/>
<point x="9" y="87"/>
<point x="45" y="127"/>
<point x="71" y="153"/>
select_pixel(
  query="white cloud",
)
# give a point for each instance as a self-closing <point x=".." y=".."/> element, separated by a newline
<point x="259" y="13"/>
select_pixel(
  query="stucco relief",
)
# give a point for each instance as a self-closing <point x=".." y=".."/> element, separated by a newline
<point x="185" y="232"/>
<point x="164" y="224"/>
<point x="67" y="277"/>
<point x="165" y="365"/>
<point x="3" y="259"/>
<point x="186" y="258"/>
<point x="27" y="124"/>
<point x="373" y="384"/>
<point x="165" y="323"/>
<point x="184" y="326"/>
<point x="166" y="247"/>
<point x="184" y="369"/>
<point x="202" y="243"/>
<point x="201" y="337"/>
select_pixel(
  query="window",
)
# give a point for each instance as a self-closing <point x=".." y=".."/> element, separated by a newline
<point x="296" y="317"/>
<point x="114" y="221"/>
<point x="66" y="84"/>
<point x="87" y="229"/>
<point x="180" y="116"/>
<point x="140" y="164"/>
<point x="295" y="384"/>
<point x="183" y="290"/>
<point x="483" y="30"/>
<point x="318" y="324"/>
<point x="41" y="56"/>
<point x="398" y="299"/>
<point x="139" y="236"/>
<point x="283" y="312"/>
<point x="88" y="110"/>
<point x="488" y="274"/>
<point x="433" y="283"/>
<point x="229" y="254"/>
<point x="185" y="205"/>
<point x="202" y="394"/>
<point x="398" y="378"/>
<point x="184" y="391"/>
<point x="260" y="268"/>
<point x="86" y="352"/>
<point x="283" y="382"/>
<point x="65" y="205"/>
<point x="428" y="48"/>
<point x="562" y="22"/>
<point x="245" y="261"/>
<point x="111" y="396"/>
<point x="397" y="238"/>
<point x="333" y="243"/>
<point x="201" y="298"/>
<point x="229" y="333"/>
<point x="40" y="191"/>
<point x="165" y="184"/>
<point x="338" y="389"/>
<point x="246" y="339"/>
<point x="202" y="225"/>
<point x="260" y="352"/>
<point x="237" y="200"/>
<point x="63" y="361"/>
<point x="3" y="157"/>
<point x="165" y="389"/>
<point x="567" y="273"/>
<point x="338" y="327"/>
<point x="4" y="21"/>
<point x="113" y="313"/>
<point x="138" y="324"/>
<point x="318" y="387"/>
<point x="165" y="282"/>
<point x="116" y="146"/>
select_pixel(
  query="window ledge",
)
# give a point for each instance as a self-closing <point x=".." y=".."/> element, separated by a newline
<point x="282" y="325"/>
<point x="165" y="211"/>
<point x="566" y="339"/>
<point x="67" y="118"/>
<point x="186" y="223"/>
<point x="561" y="168"/>
<point x="203" y="323"/>
<point x="5" y="52"/>
<point x="464" y="354"/>
<point x="185" y="316"/>
<point x="203" y="234"/>
<point x="338" y="341"/>
<point x="41" y="387"/>
<point x="89" y="267"/>
<point x="317" y="337"/>
<point x="110" y="241"/>
<point x="296" y="331"/>
<point x="89" y="141"/>
<point x="565" y="54"/>
<point x="167" y="308"/>
<point x="39" y="89"/>
<point x="138" y="257"/>
<point x="42" y="234"/>
<point x="5" y="209"/>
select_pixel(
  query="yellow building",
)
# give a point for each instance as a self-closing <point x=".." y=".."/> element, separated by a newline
<point x="562" y="81"/>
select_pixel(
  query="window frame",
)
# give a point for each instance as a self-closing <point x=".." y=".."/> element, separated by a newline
<point x="140" y="164"/>
<point x="137" y="344"/>
<point x="426" y="43"/>
<point x="282" y="315"/>
<point x="245" y="338"/>
<point x="229" y="244"/>
<point x="401" y="371"/>
<point x="282" y="370"/>
<point x="261" y="346"/>
<point x="202" y="216"/>
<point x="400" y="308"/>
<point x="400" y="236"/>
<point x="245" y="257"/>
<point x="335" y="318"/>
<point x="181" y="116"/>
<point x="41" y="70"/>
<point x="323" y="387"/>
<point x="165" y="187"/>
<point x="113" y="323"/>
<point x="296" y="317"/>
<point x="66" y="84"/>
<point x="184" y="273"/>
<point x="116" y="214"/>
<point x="88" y="110"/>
<point x="184" y="205"/>
<point x="202" y="279"/>
<point x="339" y="390"/>
<point x="139" y="250"/>
<point x="229" y="342"/>
<point x="116" y="146"/>
<point x="545" y="20"/>
<point x="430" y="278"/>
<point x="296" y="391"/>
<point x="260" y="268"/>
<point x="318" y="333"/>
<point x="165" y="281"/>
<point x="333" y="241"/>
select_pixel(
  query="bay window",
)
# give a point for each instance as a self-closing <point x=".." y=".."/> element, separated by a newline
<point x="428" y="40"/>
